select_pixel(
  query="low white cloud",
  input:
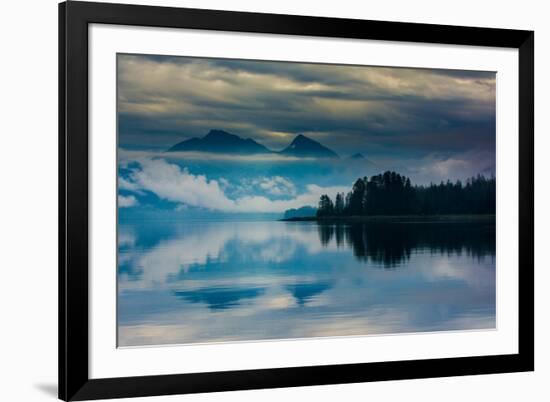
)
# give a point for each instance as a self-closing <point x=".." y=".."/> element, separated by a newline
<point x="277" y="185"/>
<point x="445" y="167"/>
<point x="170" y="182"/>
<point x="126" y="156"/>
<point x="263" y="204"/>
<point x="127" y="201"/>
<point x="272" y="185"/>
<point x="224" y="183"/>
<point x="124" y="184"/>
<point x="458" y="167"/>
<point x="126" y="238"/>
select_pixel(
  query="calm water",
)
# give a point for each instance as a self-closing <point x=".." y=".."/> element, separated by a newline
<point x="190" y="282"/>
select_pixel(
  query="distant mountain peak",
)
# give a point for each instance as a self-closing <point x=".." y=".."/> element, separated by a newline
<point x="302" y="139"/>
<point x="303" y="146"/>
<point x="358" y="155"/>
<point x="213" y="134"/>
<point x="220" y="141"/>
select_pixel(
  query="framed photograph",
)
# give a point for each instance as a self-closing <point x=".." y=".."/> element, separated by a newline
<point x="256" y="200"/>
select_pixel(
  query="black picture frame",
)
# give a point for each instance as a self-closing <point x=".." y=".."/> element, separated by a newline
<point x="74" y="381"/>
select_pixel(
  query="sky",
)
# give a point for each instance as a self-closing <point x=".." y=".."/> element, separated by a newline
<point x="428" y="124"/>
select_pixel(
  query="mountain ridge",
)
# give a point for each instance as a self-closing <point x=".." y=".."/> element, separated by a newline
<point x="303" y="146"/>
<point x="357" y="155"/>
<point x="220" y="141"/>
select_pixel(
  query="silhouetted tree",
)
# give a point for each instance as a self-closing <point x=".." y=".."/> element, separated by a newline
<point x="347" y="203"/>
<point x="339" y="204"/>
<point x="390" y="193"/>
<point x="478" y="196"/>
<point x="326" y="207"/>
<point x="357" y="198"/>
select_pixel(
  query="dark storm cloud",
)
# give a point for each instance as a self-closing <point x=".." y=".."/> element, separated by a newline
<point x="398" y="111"/>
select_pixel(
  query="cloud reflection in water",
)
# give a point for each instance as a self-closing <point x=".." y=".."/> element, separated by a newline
<point x="187" y="282"/>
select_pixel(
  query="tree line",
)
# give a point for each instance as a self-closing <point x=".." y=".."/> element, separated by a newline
<point x="390" y="193"/>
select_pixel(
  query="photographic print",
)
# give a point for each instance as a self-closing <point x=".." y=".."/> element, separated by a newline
<point x="267" y="200"/>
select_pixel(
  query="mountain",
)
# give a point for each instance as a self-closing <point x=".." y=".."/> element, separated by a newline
<point x="358" y="155"/>
<point x="219" y="141"/>
<point x="302" y="212"/>
<point x="302" y="146"/>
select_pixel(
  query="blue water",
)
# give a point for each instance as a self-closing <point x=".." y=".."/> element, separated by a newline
<point x="189" y="282"/>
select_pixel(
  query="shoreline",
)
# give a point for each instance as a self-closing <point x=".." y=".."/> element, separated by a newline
<point x="397" y="219"/>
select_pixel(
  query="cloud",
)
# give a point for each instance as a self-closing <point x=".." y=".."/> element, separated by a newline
<point x="443" y="168"/>
<point x="126" y="238"/>
<point x="126" y="156"/>
<point x="270" y="185"/>
<point x="170" y="182"/>
<point x="127" y="201"/>
<point x="206" y="156"/>
<point x="277" y="185"/>
<point x="163" y="100"/>
<point x="124" y="184"/>
<point x="456" y="167"/>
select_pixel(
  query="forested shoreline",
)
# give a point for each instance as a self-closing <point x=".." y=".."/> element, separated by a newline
<point x="393" y="194"/>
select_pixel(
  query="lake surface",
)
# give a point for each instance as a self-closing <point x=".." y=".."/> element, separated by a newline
<point x="194" y="282"/>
